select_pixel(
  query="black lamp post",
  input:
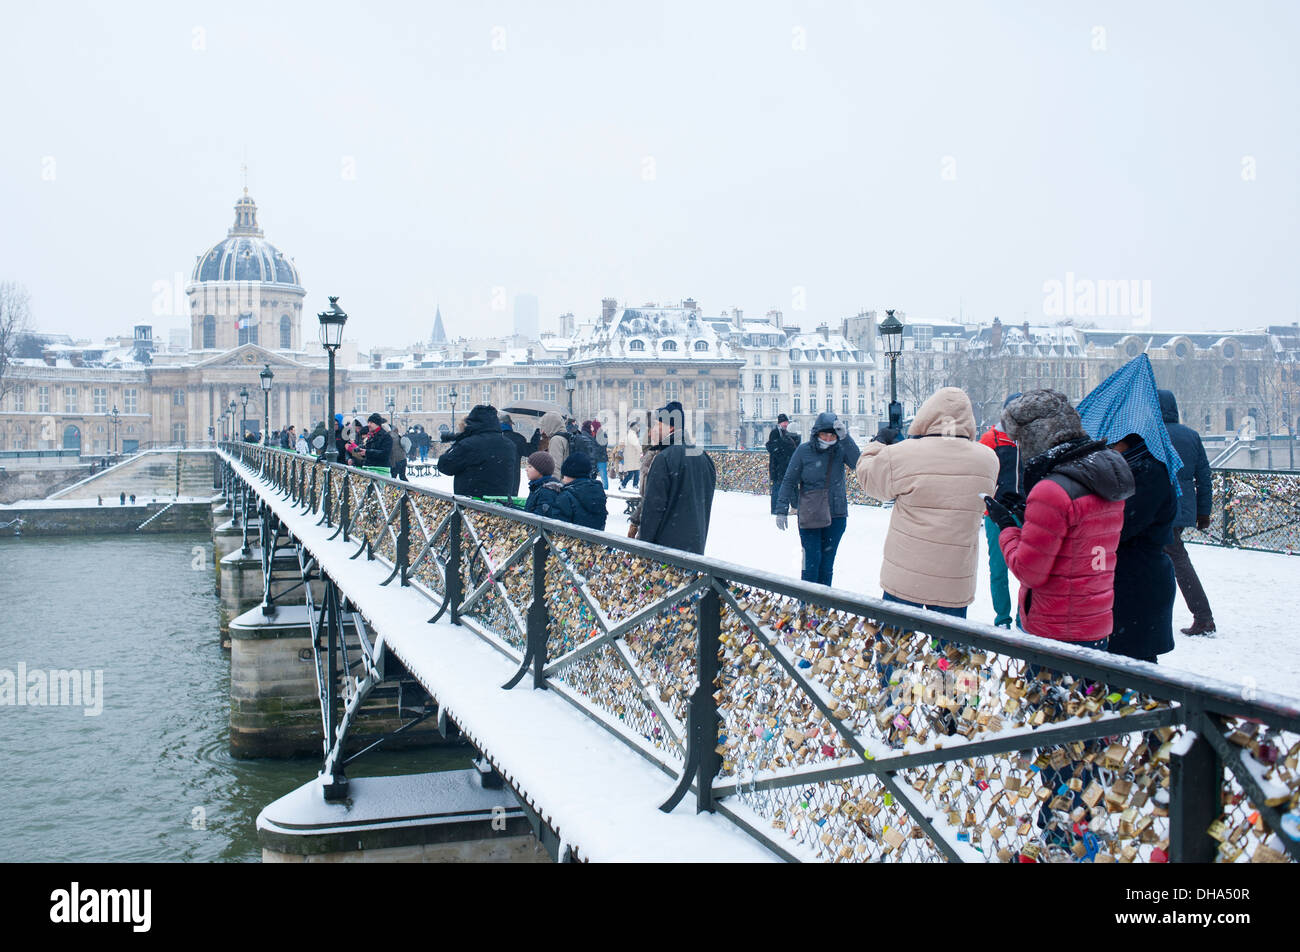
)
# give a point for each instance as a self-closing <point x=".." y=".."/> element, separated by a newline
<point x="243" y="398"/>
<point x="230" y="421"/>
<point x="265" y="378"/>
<point x="570" y="384"/>
<point x="891" y="335"/>
<point x="391" y="407"/>
<point x="453" y="396"/>
<point x="331" y="338"/>
<point x="115" y="425"/>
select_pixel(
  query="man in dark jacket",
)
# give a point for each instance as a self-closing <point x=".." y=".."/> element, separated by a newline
<point x="781" y="444"/>
<point x="378" y="449"/>
<point x="1194" y="506"/>
<point x="482" y="460"/>
<point x="582" y="501"/>
<point x="677" y="498"/>
<point x="518" y="442"/>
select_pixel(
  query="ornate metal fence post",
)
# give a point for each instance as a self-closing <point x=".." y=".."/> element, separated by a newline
<point x="344" y="512"/>
<point x="1229" y="528"/>
<point x="454" y="581"/>
<point x="336" y="786"/>
<point x="703" y="722"/>
<point x="1195" y="801"/>
<point x="538" y="623"/>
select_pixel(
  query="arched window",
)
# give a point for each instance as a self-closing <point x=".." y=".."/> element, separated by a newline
<point x="702" y="345"/>
<point x="1228" y="422"/>
<point x="286" y="336"/>
<point x="670" y="345"/>
<point x="209" y="332"/>
<point x="636" y="345"/>
<point x="706" y="433"/>
<point x="1229" y="383"/>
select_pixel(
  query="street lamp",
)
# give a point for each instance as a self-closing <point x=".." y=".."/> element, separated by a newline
<point x="570" y="384"/>
<point x="243" y="398"/>
<point x="331" y="338"/>
<point x="891" y="335"/>
<point x="453" y="396"/>
<point x="391" y="407"/>
<point x="115" y="425"/>
<point x="230" y="421"/>
<point x="265" y="378"/>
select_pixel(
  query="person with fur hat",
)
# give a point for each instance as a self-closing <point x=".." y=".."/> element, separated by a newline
<point x="1064" y="553"/>
<point x="813" y="483"/>
<point x="481" y="459"/>
<point x="582" y="500"/>
<point x="543" y="487"/>
<point x="935" y="477"/>
<point x="1008" y="485"/>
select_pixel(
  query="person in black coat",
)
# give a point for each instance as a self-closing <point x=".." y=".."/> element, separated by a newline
<point x="518" y="442"/>
<point x="482" y="460"/>
<point x="677" y="498"/>
<point x="1144" y="575"/>
<point x="1194" y="507"/>
<point x="378" y="449"/>
<point x="781" y="444"/>
<point x="582" y="501"/>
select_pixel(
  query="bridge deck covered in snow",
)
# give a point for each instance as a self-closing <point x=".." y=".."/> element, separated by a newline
<point x="801" y="722"/>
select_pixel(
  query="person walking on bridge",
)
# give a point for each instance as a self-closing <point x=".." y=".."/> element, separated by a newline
<point x="1194" y="507"/>
<point x="781" y="444"/>
<point x="813" y="483"/>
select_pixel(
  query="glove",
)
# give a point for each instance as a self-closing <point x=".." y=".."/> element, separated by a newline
<point x="840" y="429"/>
<point x="1000" y="514"/>
<point x="631" y="531"/>
<point x="886" y="434"/>
<point x="781" y="521"/>
<point x="1014" y="502"/>
<point x="1202" y="522"/>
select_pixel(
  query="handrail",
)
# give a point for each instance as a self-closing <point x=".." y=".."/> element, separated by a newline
<point x="854" y="728"/>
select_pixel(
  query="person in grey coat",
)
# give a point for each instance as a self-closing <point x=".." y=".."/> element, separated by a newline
<point x="814" y="484"/>
<point x="1194" y="506"/>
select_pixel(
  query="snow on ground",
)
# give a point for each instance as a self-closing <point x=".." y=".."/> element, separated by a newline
<point x="1253" y="594"/>
<point x="108" y="503"/>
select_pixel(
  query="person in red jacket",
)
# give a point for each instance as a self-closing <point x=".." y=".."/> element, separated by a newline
<point x="1008" y="487"/>
<point x="1064" y="553"/>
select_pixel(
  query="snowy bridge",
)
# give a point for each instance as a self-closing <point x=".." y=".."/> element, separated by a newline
<point x="645" y="704"/>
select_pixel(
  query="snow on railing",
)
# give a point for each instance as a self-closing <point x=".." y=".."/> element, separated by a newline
<point x="831" y="725"/>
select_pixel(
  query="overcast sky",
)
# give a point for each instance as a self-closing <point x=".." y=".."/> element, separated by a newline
<point x="819" y="158"/>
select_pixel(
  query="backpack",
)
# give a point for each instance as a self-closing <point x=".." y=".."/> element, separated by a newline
<point x="582" y="443"/>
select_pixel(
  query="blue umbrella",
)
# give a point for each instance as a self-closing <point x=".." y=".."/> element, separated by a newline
<point x="1126" y="402"/>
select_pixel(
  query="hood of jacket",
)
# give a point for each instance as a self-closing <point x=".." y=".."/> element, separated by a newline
<point x="550" y="423"/>
<point x="482" y="419"/>
<point x="947" y="413"/>
<point x="1090" y="463"/>
<point x="1168" y="406"/>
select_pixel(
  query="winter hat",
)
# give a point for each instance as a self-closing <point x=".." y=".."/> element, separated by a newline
<point x="1040" y="419"/>
<point x="576" y="465"/>
<point x="543" y="462"/>
<point x="782" y="418"/>
<point x="1015" y="396"/>
<point x="376" y="418"/>
<point x="338" y="418"/>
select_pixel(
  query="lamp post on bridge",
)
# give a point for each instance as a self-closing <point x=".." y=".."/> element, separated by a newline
<point x="570" y="384"/>
<point x="116" y="422"/>
<point x="453" y="396"/>
<point x="265" y="378"/>
<point x="230" y="421"/>
<point x="891" y="333"/>
<point x="331" y="338"/>
<point x="243" y="398"/>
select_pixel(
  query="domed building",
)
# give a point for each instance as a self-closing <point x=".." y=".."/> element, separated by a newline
<point x="245" y="290"/>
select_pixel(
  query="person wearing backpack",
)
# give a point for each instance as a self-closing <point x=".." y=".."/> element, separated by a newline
<point x="582" y="500"/>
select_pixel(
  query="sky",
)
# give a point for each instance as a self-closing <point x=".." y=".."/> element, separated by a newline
<point x="952" y="159"/>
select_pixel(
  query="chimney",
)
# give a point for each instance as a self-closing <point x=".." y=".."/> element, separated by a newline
<point x="825" y="331"/>
<point x="995" y="336"/>
<point x="608" y="308"/>
<point x="738" y="317"/>
<point x="776" y="317"/>
<point x="1025" y="327"/>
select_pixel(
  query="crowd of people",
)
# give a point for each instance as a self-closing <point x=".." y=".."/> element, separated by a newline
<point x="1084" y="505"/>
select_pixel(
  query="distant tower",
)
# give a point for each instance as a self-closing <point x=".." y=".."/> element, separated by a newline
<point x="526" y="310"/>
<point x="439" y="336"/>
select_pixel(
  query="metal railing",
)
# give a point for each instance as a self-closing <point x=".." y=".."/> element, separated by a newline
<point x="830" y="725"/>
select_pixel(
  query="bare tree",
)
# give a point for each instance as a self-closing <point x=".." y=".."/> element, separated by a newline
<point x="15" y="321"/>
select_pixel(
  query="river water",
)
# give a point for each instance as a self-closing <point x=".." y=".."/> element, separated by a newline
<point x="150" y="778"/>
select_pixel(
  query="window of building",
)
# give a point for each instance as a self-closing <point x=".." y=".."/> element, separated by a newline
<point x="862" y="404"/>
<point x="922" y="336"/>
<point x="862" y="378"/>
<point x="795" y="404"/>
<point x="286" y="334"/>
<point x="844" y="405"/>
<point x="486" y="391"/>
<point x="69" y="399"/>
<point x="1252" y="380"/>
<point x="638" y="394"/>
<point x="130" y="400"/>
<point x="671" y="391"/>
<point x="1228" y="422"/>
<point x="702" y="392"/>
<point x="444" y="401"/>
<point x="517" y="391"/>
<point x="99" y="399"/>
<point x="794" y="377"/>
<point x="1229" y="383"/>
<point x="636" y="345"/>
<point x="178" y="398"/>
<point x="758" y="360"/>
<point x="701" y="345"/>
<point x="844" y="378"/>
<point x="812" y="404"/>
<point x="20" y="397"/>
<point x="42" y="399"/>
<point x="669" y="345"/>
<point x="209" y="332"/>
<point x="830" y="377"/>
<point x="317" y="397"/>
<point x="360" y="397"/>
<point x="774" y="382"/>
<point x="548" y="392"/>
<point x="390" y="396"/>
<point x="417" y="399"/>
<point x="178" y="432"/>
<point x="758" y="381"/>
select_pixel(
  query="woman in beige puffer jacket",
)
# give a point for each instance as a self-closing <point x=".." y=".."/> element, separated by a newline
<point x="935" y="478"/>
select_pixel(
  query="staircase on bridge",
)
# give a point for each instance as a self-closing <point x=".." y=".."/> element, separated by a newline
<point x="153" y="474"/>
